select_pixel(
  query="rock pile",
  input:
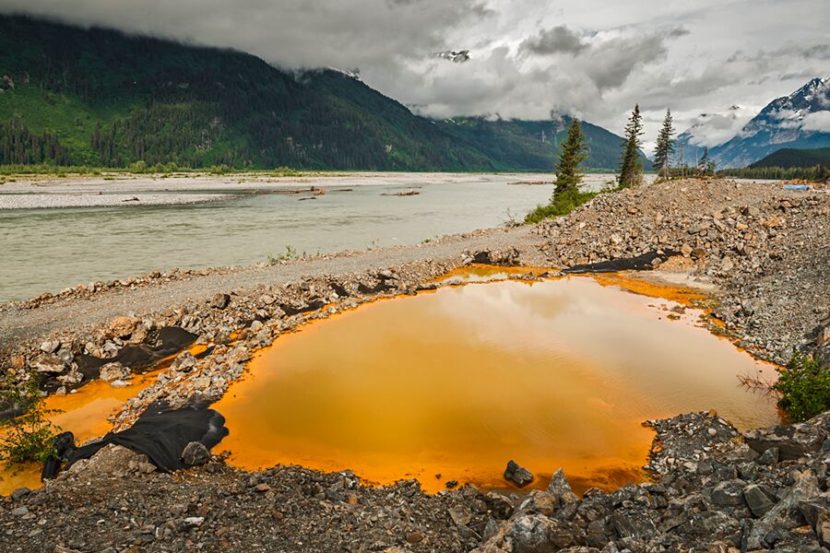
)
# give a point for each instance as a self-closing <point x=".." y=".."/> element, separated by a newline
<point x="766" y="248"/>
<point x="711" y="489"/>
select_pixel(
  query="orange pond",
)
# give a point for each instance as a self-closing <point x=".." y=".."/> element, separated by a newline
<point x="559" y="373"/>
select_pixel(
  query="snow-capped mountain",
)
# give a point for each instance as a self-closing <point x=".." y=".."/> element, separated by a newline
<point x="708" y="130"/>
<point x="800" y="120"/>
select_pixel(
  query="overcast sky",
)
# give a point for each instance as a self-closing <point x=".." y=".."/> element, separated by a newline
<point x="528" y="58"/>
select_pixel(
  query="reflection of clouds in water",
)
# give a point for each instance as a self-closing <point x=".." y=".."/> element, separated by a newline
<point x="460" y="380"/>
<point x="518" y="316"/>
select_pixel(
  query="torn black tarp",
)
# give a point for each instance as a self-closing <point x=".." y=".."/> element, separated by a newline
<point x="643" y="262"/>
<point x="160" y="435"/>
<point x="160" y="344"/>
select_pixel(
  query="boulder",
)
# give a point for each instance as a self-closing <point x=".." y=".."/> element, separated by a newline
<point x="220" y="301"/>
<point x="792" y="441"/>
<point x="758" y="501"/>
<point x="786" y="515"/>
<point x="530" y="534"/>
<point x="517" y="474"/>
<point x="499" y="505"/>
<point x="728" y="493"/>
<point x="508" y="256"/>
<point x="122" y="327"/>
<point x="561" y="489"/>
<point x="112" y="372"/>
<point x="50" y="346"/>
<point x="195" y="454"/>
<point x="48" y="363"/>
<point x="114" y="460"/>
<point x="539" y="502"/>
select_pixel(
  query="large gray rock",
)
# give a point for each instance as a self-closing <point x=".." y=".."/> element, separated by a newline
<point x="758" y="501"/>
<point x="114" y="371"/>
<point x="786" y="515"/>
<point x="539" y="502"/>
<point x="195" y="454"/>
<point x="220" y="301"/>
<point x="539" y="534"/>
<point x="48" y="363"/>
<point x="792" y="441"/>
<point x="560" y="488"/>
<point x="728" y="493"/>
<point x="517" y="474"/>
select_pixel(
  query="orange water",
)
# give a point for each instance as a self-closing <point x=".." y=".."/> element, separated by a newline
<point x="457" y="382"/>
<point x="85" y="413"/>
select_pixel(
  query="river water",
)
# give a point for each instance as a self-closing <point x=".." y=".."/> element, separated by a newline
<point x="51" y="249"/>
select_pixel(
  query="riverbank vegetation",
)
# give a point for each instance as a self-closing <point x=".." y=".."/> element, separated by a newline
<point x="26" y="435"/>
<point x="631" y="168"/>
<point x="566" y="195"/>
<point x="817" y="173"/>
<point x="804" y="386"/>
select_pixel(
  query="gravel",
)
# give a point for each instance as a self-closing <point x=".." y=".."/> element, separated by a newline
<point x="55" y="200"/>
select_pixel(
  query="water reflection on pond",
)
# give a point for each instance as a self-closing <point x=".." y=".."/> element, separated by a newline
<point x="457" y="382"/>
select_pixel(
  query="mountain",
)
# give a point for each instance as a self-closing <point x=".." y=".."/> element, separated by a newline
<point x="798" y="121"/>
<point x="708" y="130"/>
<point x="98" y="97"/>
<point x="788" y="158"/>
<point x="534" y="143"/>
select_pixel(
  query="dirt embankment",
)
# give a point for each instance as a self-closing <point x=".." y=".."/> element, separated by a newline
<point x="767" y="250"/>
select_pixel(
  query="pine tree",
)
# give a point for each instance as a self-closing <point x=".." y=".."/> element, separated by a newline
<point x="631" y="169"/>
<point x="568" y="175"/>
<point x="703" y="162"/>
<point x="665" y="147"/>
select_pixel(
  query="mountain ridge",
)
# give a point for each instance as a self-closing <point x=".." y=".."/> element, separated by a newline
<point x="786" y="122"/>
<point x="99" y="97"/>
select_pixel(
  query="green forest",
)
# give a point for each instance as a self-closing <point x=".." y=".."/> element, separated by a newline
<point x="99" y="98"/>
<point x="788" y="164"/>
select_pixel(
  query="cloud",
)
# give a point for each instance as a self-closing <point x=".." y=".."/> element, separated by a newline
<point x="818" y="121"/>
<point x="711" y="129"/>
<point x="558" y="40"/>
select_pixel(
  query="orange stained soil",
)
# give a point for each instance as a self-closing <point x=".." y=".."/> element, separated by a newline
<point x="451" y="385"/>
<point x="487" y="273"/>
<point x="637" y="284"/>
<point x="85" y="413"/>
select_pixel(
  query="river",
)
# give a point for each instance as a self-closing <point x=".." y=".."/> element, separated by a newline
<point x="52" y="249"/>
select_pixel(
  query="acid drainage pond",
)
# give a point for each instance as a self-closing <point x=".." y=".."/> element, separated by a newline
<point x="450" y="385"/>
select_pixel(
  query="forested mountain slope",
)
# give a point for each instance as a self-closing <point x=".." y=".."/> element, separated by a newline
<point x="73" y="96"/>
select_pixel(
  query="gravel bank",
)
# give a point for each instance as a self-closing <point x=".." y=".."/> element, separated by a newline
<point x="766" y="250"/>
<point x="57" y="200"/>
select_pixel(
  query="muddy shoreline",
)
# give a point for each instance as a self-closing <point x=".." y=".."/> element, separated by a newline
<point x="766" y="251"/>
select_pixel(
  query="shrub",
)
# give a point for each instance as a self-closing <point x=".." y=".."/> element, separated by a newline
<point x="804" y="386"/>
<point x="289" y="254"/>
<point x="219" y="169"/>
<point x="28" y="437"/>
<point x="560" y="205"/>
<point x="139" y="166"/>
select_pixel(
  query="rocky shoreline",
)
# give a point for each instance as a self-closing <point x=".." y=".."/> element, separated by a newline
<point x="765" y="249"/>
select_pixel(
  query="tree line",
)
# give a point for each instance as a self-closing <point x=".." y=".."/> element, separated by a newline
<point x="19" y="146"/>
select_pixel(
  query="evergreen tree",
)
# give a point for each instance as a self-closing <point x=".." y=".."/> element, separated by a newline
<point x="665" y="147"/>
<point x="631" y="169"/>
<point x="704" y="160"/>
<point x="568" y="175"/>
<point x="706" y="166"/>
